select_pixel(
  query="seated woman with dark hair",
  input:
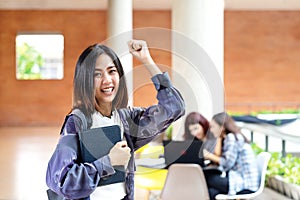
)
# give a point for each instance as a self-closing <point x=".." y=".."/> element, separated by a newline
<point x="237" y="159"/>
<point x="196" y="127"/>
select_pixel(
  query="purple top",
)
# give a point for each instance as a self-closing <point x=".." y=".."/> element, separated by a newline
<point x="69" y="177"/>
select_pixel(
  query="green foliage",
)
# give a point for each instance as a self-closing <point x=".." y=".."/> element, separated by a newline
<point x="276" y="166"/>
<point x="29" y="62"/>
<point x="291" y="169"/>
<point x="255" y="113"/>
<point x="288" y="167"/>
<point x="168" y="132"/>
<point x="283" y="111"/>
<point x="256" y="148"/>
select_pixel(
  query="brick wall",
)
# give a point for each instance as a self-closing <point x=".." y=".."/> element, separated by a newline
<point x="262" y="56"/>
<point x="261" y="59"/>
<point x="46" y="102"/>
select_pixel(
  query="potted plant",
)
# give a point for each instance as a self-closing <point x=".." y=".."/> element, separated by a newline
<point x="283" y="174"/>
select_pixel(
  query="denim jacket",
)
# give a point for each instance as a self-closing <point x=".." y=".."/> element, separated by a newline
<point x="69" y="177"/>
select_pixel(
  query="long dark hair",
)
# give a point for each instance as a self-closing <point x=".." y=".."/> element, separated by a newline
<point x="83" y="83"/>
<point x="225" y="120"/>
<point x="194" y="118"/>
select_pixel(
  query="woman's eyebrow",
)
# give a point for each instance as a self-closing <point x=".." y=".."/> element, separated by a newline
<point x="98" y="69"/>
<point x="108" y="68"/>
<point x="111" y="66"/>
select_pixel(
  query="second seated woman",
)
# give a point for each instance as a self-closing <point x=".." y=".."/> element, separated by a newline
<point x="237" y="160"/>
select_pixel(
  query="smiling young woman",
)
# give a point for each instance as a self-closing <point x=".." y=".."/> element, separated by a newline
<point x="100" y="93"/>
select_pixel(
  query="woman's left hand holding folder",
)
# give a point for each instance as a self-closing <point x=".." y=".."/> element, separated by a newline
<point x="119" y="154"/>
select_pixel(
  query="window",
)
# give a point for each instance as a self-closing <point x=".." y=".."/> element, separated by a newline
<point x="39" y="56"/>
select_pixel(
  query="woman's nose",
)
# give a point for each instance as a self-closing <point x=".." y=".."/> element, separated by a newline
<point x="106" y="78"/>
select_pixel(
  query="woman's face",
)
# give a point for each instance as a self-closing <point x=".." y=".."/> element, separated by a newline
<point x="106" y="79"/>
<point x="197" y="131"/>
<point x="215" y="128"/>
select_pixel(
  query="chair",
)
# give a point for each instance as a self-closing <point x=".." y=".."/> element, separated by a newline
<point x="262" y="161"/>
<point x="185" y="181"/>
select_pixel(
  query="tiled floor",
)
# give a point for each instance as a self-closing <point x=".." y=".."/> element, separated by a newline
<point x="24" y="156"/>
<point x="25" y="152"/>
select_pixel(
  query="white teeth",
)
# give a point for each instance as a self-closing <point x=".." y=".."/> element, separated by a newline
<point x="107" y="90"/>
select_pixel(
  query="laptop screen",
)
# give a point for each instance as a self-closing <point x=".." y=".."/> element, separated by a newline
<point x="183" y="152"/>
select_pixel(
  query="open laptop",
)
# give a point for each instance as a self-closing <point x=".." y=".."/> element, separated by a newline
<point x="183" y="152"/>
<point x="180" y="152"/>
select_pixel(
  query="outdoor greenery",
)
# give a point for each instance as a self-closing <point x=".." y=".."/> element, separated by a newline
<point x="255" y="113"/>
<point x="29" y="62"/>
<point x="287" y="167"/>
<point x="283" y="111"/>
<point x="168" y="132"/>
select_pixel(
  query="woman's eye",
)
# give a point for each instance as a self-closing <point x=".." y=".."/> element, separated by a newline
<point x="97" y="74"/>
<point x="113" y="71"/>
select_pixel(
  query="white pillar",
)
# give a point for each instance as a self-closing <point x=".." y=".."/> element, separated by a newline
<point x="198" y="55"/>
<point x="119" y="31"/>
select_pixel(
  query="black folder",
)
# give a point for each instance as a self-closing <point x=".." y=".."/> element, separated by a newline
<point x="96" y="143"/>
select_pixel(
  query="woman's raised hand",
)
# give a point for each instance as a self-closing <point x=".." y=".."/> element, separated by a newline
<point x="140" y="50"/>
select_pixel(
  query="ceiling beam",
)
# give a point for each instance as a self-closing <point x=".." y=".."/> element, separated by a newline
<point x="142" y="4"/>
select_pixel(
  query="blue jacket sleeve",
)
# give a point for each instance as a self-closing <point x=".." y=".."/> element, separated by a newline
<point x="66" y="175"/>
<point x="149" y="122"/>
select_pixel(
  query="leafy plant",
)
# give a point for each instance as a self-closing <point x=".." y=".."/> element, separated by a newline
<point x="256" y="148"/>
<point x="275" y="166"/>
<point x="255" y="113"/>
<point x="287" y="167"/>
<point x="29" y="62"/>
<point x="292" y="169"/>
<point x="168" y="132"/>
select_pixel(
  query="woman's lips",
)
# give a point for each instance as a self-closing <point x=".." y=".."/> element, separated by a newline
<point x="107" y="90"/>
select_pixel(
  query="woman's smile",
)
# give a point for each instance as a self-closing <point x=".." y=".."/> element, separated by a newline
<point x="107" y="90"/>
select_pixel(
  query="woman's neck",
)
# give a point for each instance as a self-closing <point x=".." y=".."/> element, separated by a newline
<point x="104" y="110"/>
